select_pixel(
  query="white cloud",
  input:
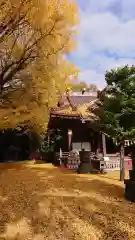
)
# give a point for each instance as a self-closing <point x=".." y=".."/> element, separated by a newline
<point x="102" y="63"/>
<point x="98" y="66"/>
<point x="102" y="32"/>
<point x="93" y="6"/>
<point x="123" y="8"/>
<point x="127" y="9"/>
<point x="92" y="76"/>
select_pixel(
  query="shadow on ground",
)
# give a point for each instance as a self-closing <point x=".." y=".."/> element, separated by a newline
<point x="38" y="202"/>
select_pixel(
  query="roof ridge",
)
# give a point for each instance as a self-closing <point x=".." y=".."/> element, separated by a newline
<point x="73" y="106"/>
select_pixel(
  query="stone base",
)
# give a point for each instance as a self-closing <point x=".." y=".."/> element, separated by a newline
<point x="84" y="168"/>
<point x="130" y="190"/>
<point x="56" y="162"/>
<point x="132" y="174"/>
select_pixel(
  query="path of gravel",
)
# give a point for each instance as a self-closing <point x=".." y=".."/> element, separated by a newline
<point x="41" y="202"/>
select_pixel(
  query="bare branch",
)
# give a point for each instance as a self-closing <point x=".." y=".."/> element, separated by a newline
<point x="9" y="26"/>
<point x="28" y="55"/>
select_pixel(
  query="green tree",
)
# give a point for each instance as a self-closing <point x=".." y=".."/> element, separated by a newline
<point x="118" y="100"/>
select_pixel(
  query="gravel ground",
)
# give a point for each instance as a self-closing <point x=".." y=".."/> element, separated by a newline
<point x="42" y="202"/>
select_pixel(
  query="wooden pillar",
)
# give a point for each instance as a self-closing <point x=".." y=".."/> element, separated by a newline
<point x="104" y="144"/>
<point x="48" y="137"/>
<point x="98" y="150"/>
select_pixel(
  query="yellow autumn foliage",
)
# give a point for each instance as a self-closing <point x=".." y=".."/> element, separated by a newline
<point x="35" y="37"/>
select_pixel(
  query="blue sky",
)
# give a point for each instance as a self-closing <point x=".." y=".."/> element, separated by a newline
<point x="106" y="38"/>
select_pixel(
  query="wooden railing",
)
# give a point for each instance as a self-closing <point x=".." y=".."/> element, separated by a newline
<point x="72" y="161"/>
<point x="112" y="165"/>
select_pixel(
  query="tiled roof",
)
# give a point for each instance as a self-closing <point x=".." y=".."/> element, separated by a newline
<point x="76" y="100"/>
<point x="76" y="107"/>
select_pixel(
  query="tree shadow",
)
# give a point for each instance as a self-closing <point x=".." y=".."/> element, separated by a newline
<point x="49" y="203"/>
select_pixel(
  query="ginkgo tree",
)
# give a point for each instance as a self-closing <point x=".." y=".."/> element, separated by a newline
<point x="35" y="37"/>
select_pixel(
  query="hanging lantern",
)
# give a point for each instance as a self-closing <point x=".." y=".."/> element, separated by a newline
<point x="70" y="133"/>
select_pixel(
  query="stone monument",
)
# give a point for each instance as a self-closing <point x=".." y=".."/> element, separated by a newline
<point x="130" y="183"/>
<point x="85" y="162"/>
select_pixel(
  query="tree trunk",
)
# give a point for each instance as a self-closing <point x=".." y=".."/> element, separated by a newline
<point x="104" y="144"/>
<point x="122" y="168"/>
